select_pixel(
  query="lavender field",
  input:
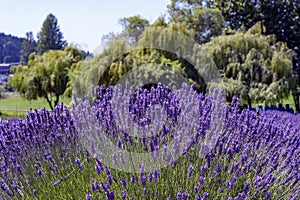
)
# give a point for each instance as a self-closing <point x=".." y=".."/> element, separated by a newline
<point x="65" y="154"/>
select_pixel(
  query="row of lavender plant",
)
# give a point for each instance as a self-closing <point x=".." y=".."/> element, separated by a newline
<point x="62" y="154"/>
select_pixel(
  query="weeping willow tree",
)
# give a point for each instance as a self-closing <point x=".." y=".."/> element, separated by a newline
<point x="46" y="75"/>
<point x="253" y="66"/>
<point x="161" y="55"/>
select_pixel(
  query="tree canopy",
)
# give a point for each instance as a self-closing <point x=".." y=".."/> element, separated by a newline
<point x="161" y="55"/>
<point x="10" y="47"/>
<point x="200" y="23"/>
<point x="134" y="26"/>
<point x="280" y="18"/>
<point x="50" y="37"/>
<point x="46" y="75"/>
<point x="28" y="46"/>
<point x="254" y="67"/>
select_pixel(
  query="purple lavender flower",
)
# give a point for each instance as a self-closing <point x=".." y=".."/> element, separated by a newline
<point x="142" y="168"/>
<point x="156" y="175"/>
<point x="109" y="180"/>
<point x="246" y="187"/>
<point x="269" y="196"/>
<point x="57" y="182"/>
<point x="133" y="180"/>
<point x="196" y="188"/>
<point x="95" y="186"/>
<point x="98" y="169"/>
<point x="234" y="167"/>
<point x="88" y="196"/>
<point x="190" y="173"/>
<point x="18" y="167"/>
<point x="179" y="195"/>
<point x="226" y="168"/>
<point x="77" y="160"/>
<point x="104" y="186"/>
<point x="205" y="195"/>
<point x="219" y="169"/>
<point x="229" y="184"/>
<point x="201" y="180"/>
<point x="15" y="186"/>
<point x="119" y="144"/>
<point x="107" y="172"/>
<point x="114" y="158"/>
<point x="185" y="195"/>
<point x="203" y="170"/>
<point x="145" y="191"/>
<point x="143" y="180"/>
<point x="40" y="172"/>
<point x="241" y="196"/>
<point x="123" y="194"/>
<point x="150" y="177"/>
<point x="122" y="158"/>
<point x="110" y="195"/>
<point x="214" y="173"/>
<point x="123" y="182"/>
<point x="234" y="178"/>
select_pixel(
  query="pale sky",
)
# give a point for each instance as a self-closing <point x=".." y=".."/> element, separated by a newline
<point x="82" y="22"/>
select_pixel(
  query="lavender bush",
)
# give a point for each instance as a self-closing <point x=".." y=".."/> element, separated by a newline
<point x="90" y="152"/>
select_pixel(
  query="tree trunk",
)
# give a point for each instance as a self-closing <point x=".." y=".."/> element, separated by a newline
<point x="249" y="103"/>
<point x="48" y="100"/>
<point x="296" y="100"/>
<point x="56" y="100"/>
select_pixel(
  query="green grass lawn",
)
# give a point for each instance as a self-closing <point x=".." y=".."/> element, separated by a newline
<point x="284" y="101"/>
<point x="18" y="106"/>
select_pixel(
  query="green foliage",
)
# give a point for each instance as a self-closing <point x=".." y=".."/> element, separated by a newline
<point x="28" y="47"/>
<point x="10" y="47"/>
<point x="46" y="75"/>
<point x="280" y="18"/>
<point x="253" y="68"/>
<point x="201" y="23"/>
<point x="134" y="26"/>
<point x="155" y="58"/>
<point x="207" y="23"/>
<point x="238" y="14"/>
<point x="134" y="23"/>
<point x="160" y="22"/>
<point x="167" y="55"/>
<point x="50" y="37"/>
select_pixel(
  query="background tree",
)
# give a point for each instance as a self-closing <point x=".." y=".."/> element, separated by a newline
<point x="160" y="22"/>
<point x="254" y="68"/>
<point x="280" y="18"/>
<point x="200" y="23"/>
<point x="50" y="37"/>
<point x="238" y="14"/>
<point x="28" y="46"/>
<point x="147" y="62"/>
<point x="134" y="26"/>
<point x="10" y="47"/>
<point x="46" y="75"/>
